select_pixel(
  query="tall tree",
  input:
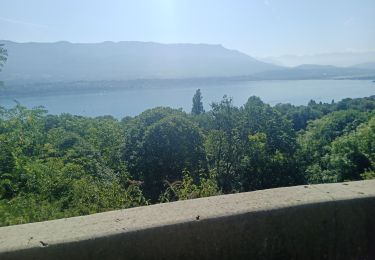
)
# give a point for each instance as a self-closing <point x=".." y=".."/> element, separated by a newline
<point x="3" y="57"/>
<point x="197" y="103"/>
<point x="222" y="143"/>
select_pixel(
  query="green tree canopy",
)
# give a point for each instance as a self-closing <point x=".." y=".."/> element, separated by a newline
<point x="352" y="156"/>
<point x="59" y="166"/>
<point x="163" y="148"/>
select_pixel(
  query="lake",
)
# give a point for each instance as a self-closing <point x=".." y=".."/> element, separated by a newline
<point x="130" y="102"/>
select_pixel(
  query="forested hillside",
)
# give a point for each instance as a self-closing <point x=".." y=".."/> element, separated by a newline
<point x="59" y="166"/>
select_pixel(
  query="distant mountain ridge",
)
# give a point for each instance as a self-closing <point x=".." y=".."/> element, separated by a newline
<point x="367" y="65"/>
<point x="63" y="67"/>
<point x="339" y="59"/>
<point x="64" y="61"/>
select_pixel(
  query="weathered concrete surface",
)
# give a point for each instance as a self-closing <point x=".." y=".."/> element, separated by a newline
<point x="329" y="221"/>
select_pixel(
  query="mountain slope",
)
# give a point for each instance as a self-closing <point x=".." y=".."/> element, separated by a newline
<point x="367" y="65"/>
<point x="64" y="61"/>
<point x="310" y="71"/>
<point x="341" y="59"/>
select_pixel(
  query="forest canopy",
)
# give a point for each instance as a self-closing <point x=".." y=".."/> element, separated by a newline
<point x="54" y="166"/>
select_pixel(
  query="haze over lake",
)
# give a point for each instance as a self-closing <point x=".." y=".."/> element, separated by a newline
<point x="122" y="103"/>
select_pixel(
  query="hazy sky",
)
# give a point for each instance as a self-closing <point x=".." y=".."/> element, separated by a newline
<point x="256" y="27"/>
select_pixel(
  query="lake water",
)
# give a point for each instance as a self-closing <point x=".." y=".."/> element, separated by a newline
<point x="121" y="103"/>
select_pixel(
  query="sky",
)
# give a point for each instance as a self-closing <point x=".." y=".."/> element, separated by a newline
<point x="260" y="28"/>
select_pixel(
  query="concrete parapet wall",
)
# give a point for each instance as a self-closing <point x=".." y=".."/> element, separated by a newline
<point x="327" y="221"/>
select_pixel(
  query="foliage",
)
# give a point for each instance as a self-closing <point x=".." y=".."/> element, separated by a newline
<point x="60" y="166"/>
<point x="3" y="55"/>
<point x="315" y="142"/>
<point x="222" y="144"/>
<point x="352" y="156"/>
<point x="3" y="58"/>
<point x="187" y="189"/>
<point x="166" y="148"/>
<point x="197" y="108"/>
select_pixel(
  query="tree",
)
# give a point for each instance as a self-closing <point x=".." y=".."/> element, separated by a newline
<point x="222" y="144"/>
<point x="3" y="55"/>
<point x="269" y="144"/>
<point x="54" y="166"/>
<point x="160" y="144"/>
<point x="61" y="166"/>
<point x="3" y="58"/>
<point x="299" y="115"/>
<point x="352" y="156"/>
<point x="315" y="142"/>
<point x="197" y="103"/>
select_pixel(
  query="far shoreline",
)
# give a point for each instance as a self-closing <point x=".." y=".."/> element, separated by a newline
<point x="91" y="87"/>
